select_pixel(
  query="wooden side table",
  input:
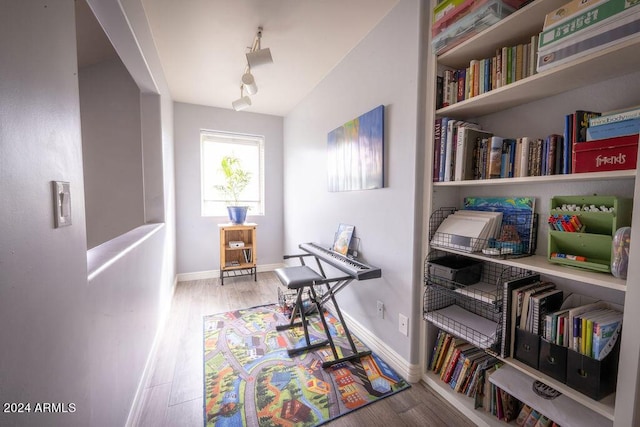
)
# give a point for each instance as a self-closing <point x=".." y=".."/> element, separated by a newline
<point x="238" y="255"/>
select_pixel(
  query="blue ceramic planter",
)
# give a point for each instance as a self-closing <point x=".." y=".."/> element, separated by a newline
<point x="237" y="214"/>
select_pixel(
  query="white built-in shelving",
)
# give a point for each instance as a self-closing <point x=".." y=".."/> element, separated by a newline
<point x="609" y="63"/>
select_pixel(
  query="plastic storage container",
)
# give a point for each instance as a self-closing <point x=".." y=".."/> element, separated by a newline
<point x="455" y="268"/>
<point x="467" y="20"/>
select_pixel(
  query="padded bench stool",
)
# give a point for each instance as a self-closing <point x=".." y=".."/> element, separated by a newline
<point x="301" y="278"/>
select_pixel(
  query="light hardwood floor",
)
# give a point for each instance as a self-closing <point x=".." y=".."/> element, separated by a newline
<point x="173" y="396"/>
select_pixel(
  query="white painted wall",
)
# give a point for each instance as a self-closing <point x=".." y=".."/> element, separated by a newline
<point x="44" y="328"/>
<point x="111" y="151"/>
<point x="125" y="316"/>
<point x="198" y="238"/>
<point x="382" y="69"/>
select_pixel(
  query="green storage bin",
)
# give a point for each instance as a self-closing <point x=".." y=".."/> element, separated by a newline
<point x="596" y="248"/>
<point x="595" y="242"/>
<point x="597" y="222"/>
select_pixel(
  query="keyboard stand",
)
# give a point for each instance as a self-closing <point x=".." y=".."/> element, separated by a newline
<point x="303" y="278"/>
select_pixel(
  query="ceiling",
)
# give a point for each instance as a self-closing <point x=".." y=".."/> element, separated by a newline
<point x="202" y="46"/>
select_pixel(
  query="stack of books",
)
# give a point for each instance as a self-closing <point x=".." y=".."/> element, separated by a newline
<point x="508" y="65"/>
<point x="614" y="124"/>
<point x="602" y="141"/>
<point x="463" y="151"/>
<point x="460" y="364"/>
<point x="591" y="330"/>
<point x="582" y="27"/>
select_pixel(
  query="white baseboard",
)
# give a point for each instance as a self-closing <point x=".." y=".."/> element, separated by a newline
<point x="135" y="412"/>
<point x="214" y="274"/>
<point x="411" y="372"/>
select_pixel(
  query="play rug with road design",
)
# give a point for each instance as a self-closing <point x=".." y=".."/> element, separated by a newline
<point x="249" y="380"/>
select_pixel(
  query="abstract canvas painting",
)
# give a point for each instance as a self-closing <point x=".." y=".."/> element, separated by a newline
<point x="356" y="153"/>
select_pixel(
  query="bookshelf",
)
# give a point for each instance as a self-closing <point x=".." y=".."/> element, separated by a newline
<point x="237" y="250"/>
<point x="549" y="94"/>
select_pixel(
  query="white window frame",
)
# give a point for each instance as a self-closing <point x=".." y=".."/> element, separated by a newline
<point x="211" y="206"/>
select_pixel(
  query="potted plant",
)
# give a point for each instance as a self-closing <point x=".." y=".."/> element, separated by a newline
<point x="236" y="180"/>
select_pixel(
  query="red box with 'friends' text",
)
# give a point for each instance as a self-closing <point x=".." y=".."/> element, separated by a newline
<point x="611" y="154"/>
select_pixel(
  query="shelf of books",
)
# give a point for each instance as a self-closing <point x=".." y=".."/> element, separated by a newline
<point x="464" y="404"/>
<point x="505" y="32"/>
<point x="579" y="72"/>
<point x="543" y="330"/>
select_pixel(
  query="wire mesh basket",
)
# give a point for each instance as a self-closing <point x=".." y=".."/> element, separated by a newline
<point x="472" y="312"/>
<point x="517" y="235"/>
<point x="287" y="299"/>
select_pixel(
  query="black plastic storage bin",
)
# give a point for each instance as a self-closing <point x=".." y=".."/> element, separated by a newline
<point x="595" y="378"/>
<point x="456" y="268"/>
<point x="553" y="360"/>
<point x="527" y="348"/>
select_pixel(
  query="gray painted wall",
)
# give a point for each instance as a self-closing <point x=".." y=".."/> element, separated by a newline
<point x="51" y="315"/>
<point x="43" y="271"/>
<point x="197" y="236"/>
<point x="382" y="69"/>
<point x="111" y="151"/>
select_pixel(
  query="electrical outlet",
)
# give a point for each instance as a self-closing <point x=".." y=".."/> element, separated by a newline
<point x="380" y="309"/>
<point x="403" y="325"/>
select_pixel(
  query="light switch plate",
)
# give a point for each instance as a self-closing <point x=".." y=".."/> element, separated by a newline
<point x="61" y="203"/>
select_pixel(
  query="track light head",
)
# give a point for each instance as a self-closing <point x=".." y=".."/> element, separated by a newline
<point x="241" y="103"/>
<point x="249" y="83"/>
<point x="259" y="57"/>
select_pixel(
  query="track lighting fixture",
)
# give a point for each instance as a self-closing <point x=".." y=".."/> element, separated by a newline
<point x="255" y="57"/>
<point x="249" y="83"/>
<point x="243" y="102"/>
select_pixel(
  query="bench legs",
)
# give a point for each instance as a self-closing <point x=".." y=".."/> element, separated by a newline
<point x="299" y="310"/>
<point x="304" y="279"/>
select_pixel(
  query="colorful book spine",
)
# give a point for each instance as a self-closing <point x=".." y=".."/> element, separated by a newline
<point x="566" y="143"/>
<point x="437" y="134"/>
<point x="436" y="348"/>
<point x="447" y="96"/>
<point x="461" y="75"/>
<point x="524" y="157"/>
<point x="439" y="91"/>
<point x="579" y="131"/>
<point x="455" y="375"/>
<point x="519" y="62"/>
<point x="504" y="66"/>
<point x="611" y="130"/>
<point x="455" y="355"/>
<point x="442" y="352"/>
<point x="615" y="117"/>
<point x="533" y="54"/>
<point x="443" y="146"/>
<point x="495" y="157"/>
<point x="487" y="75"/>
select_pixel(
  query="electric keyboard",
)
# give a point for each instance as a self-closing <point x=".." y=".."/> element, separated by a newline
<point x="356" y="269"/>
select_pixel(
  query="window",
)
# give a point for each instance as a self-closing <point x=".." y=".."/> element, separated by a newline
<point x="249" y="150"/>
